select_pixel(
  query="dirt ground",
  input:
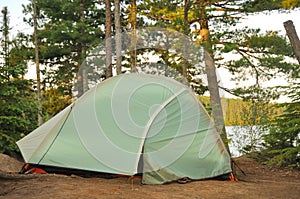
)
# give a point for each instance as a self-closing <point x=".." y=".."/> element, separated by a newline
<point x="259" y="182"/>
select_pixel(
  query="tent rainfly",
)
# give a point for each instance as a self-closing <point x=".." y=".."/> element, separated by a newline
<point x="132" y="124"/>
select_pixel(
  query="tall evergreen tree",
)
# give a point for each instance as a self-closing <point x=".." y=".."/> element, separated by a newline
<point x="283" y="141"/>
<point x="213" y="22"/>
<point x="18" y="112"/>
<point x="66" y="38"/>
<point x="181" y="17"/>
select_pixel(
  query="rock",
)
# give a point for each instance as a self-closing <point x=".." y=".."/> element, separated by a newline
<point x="9" y="164"/>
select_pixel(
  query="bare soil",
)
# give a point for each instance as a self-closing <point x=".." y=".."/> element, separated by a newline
<point x="260" y="182"/>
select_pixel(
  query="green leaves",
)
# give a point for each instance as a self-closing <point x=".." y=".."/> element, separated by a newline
<point x="286" y="4"/>
<point x="18" y="112"/>
<point x="268" y="5"/>
<point x="54" y="100"/>
<point x="271" y="43"/>
<point x="68" y="30"/>
<point x="228" y="47"/>
<point x="283" y="141"/>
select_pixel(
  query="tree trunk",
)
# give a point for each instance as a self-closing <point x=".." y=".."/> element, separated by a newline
<point x="293" y="37"/>
<point x="5" y="41"/>
<point x="213" y="87"/>
<point x="186" y="32"/>
<point x="118" y="37"/>
<point x="108" y="45"/>
<point x="215" y="101"/>
<point x="37" y="65"/>
<point x="132" y="20"/>
<point x="82" y="80"/>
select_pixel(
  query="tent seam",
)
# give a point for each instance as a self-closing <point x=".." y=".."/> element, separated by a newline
<point x="154" y="115"/>
<point x="71" y="108"/>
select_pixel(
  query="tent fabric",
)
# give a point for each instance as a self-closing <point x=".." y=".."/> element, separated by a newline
<point x="128" y="124"/>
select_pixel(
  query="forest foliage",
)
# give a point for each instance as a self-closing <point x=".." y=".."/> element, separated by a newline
<point x="67" y="37"/>
<point x="238" y="112"/>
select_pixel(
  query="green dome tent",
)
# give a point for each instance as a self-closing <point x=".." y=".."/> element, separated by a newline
<point x="130" y="124"/>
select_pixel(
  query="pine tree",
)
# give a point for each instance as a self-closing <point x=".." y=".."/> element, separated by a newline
<point x="18" y="106"/>
<point x="65" y="38"/>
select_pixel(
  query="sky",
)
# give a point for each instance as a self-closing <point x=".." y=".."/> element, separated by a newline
<point x="271" y="21"/>
<point x="15" y="14"/>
